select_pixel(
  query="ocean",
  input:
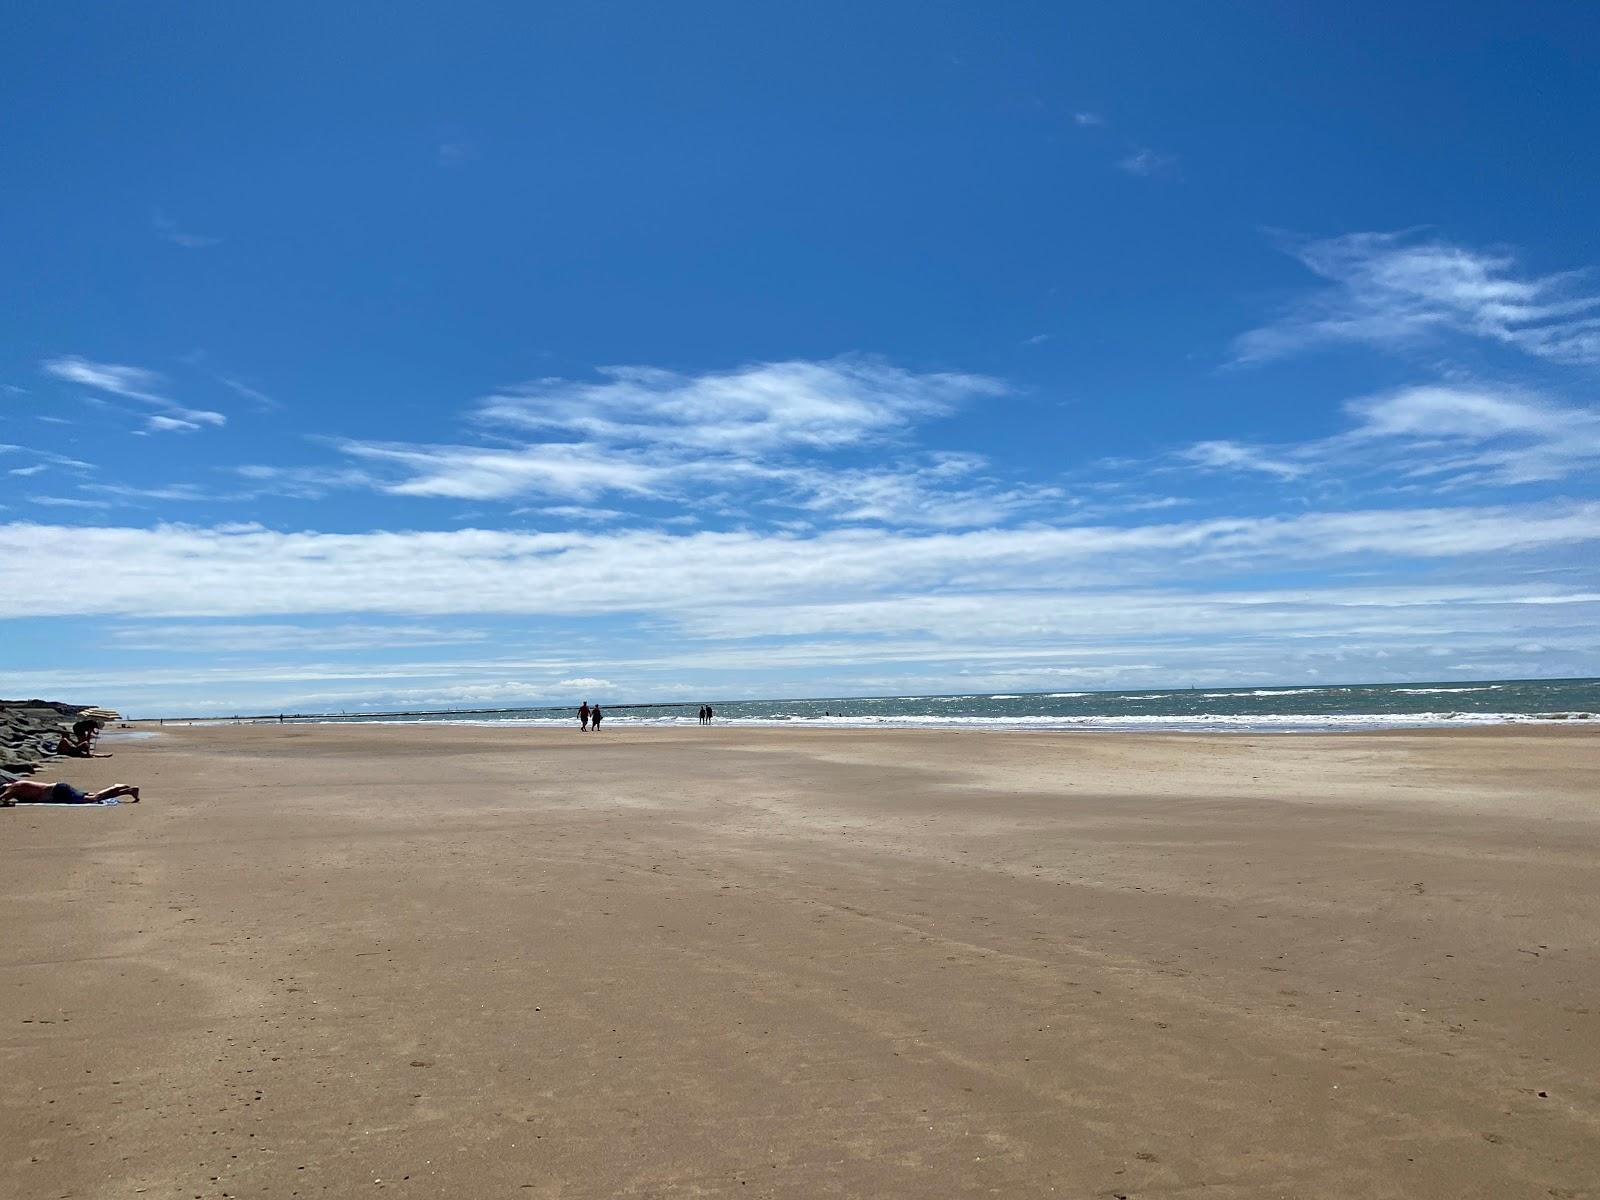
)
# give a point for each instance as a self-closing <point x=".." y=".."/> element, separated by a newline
<point x="1213" y="709"/>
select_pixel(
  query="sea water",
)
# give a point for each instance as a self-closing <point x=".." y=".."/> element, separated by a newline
<point x="1209" y="709"/>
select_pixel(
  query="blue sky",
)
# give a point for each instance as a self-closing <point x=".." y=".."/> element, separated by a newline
<point x="371" y="355"/>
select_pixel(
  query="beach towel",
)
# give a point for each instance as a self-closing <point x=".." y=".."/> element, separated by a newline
<point x="85" y="804"/>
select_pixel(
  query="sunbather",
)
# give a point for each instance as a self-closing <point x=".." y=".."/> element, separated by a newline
<point x="37" y="791"/>
<point x="77" y="748"/>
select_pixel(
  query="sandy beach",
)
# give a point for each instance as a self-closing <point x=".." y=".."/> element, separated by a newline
<point x="475" y="962"/>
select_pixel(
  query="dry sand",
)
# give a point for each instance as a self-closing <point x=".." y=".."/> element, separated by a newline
<point x="457" y="962"/>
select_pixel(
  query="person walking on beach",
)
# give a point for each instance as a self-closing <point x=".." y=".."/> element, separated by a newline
<point x="710" y="712"/>
<point x="37" y="791"/>
<point x="583" y="716"/>
<point x="594" y="718"/>
<point x="702" y="714"/>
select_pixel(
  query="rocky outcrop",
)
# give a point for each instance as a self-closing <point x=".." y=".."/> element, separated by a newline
<point x="30" y="729"/>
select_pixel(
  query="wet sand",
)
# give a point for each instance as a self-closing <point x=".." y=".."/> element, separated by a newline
<point x="457" y="962"/>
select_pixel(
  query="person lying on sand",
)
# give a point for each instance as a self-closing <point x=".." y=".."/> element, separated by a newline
<point x="37" y="791"/>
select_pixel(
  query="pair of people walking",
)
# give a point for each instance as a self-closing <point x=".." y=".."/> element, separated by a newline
<point x="706" y="713"/>
<point x="590" y="716"/>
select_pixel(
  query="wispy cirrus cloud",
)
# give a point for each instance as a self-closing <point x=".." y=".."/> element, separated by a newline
<point x="860" y="610"/>
<point x="1148" y="164"/>
<point x="1482" y="435"/>
<point x="765" y="407"/>
<point x="161" y="423"/>
<point x="268" y="637"/>
<point x="68" y="502"/>
<point x="133" y="383"/>
<point x="48" y="457"/>
<point x="167" y="229"/>
<point x="573" y="470"/>
<point x="1234" y="456"/>
<point x="1394" y="290"/>
<point x="244" y="570"/>
<point x="938" y="491"/>
<point x="455" y="153"/>
<point x="301" y="483"/>
<point x="1438" y="435"/>
<point x="168" y="491"/>
<point x="769" y="434"/>
<point x="257" y="397"/>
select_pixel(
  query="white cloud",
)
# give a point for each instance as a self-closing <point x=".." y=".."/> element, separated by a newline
<point x="1087" y="119"/>
<point x="570" y="469"/>
<point x="133" y="383"/>
<point x="136" y="383"/>
<point x="1231" y="456"/>
<point x="67" y="502"/>
<point x="916" y="494"/>
<point x="761" y="408"/>
<point x="1148" y="163"/>
<point x="1456" y="412"/>
<point x="244" y="571"/>
<point x="1002" y="640"/>
<point x="1115" y="621"/>
<point x="1393" y="289"/>
<point x="266" y="638"/>
<point x="49" y="457"/>
<point x="259" y="398"/>
<point x="156" y="423"/>
<point x="303" y="483"/>
<point x="170" y="491"/>
<point x="722" y="440"/>
<point x="575" y="512"/>
<point x="167" y="229"/>
<point x="1447" y="435"/>
<point x="1500" y="437"/>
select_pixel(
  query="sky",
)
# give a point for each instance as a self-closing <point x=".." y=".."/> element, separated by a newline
<point x="370" y="355"/>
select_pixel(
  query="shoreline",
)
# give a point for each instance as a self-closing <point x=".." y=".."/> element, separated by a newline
<point x="801" y="962"/>
<point x="1350" y="724"/>
<point x="1209" y="692"/>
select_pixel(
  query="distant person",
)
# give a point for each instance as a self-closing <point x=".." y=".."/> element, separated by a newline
<point x="702" y="714"/>
<point x="37" y="791"/>
<point x="710" y="712"/>
<point x="595" y="716"/>
<point x="583" y="716"/>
